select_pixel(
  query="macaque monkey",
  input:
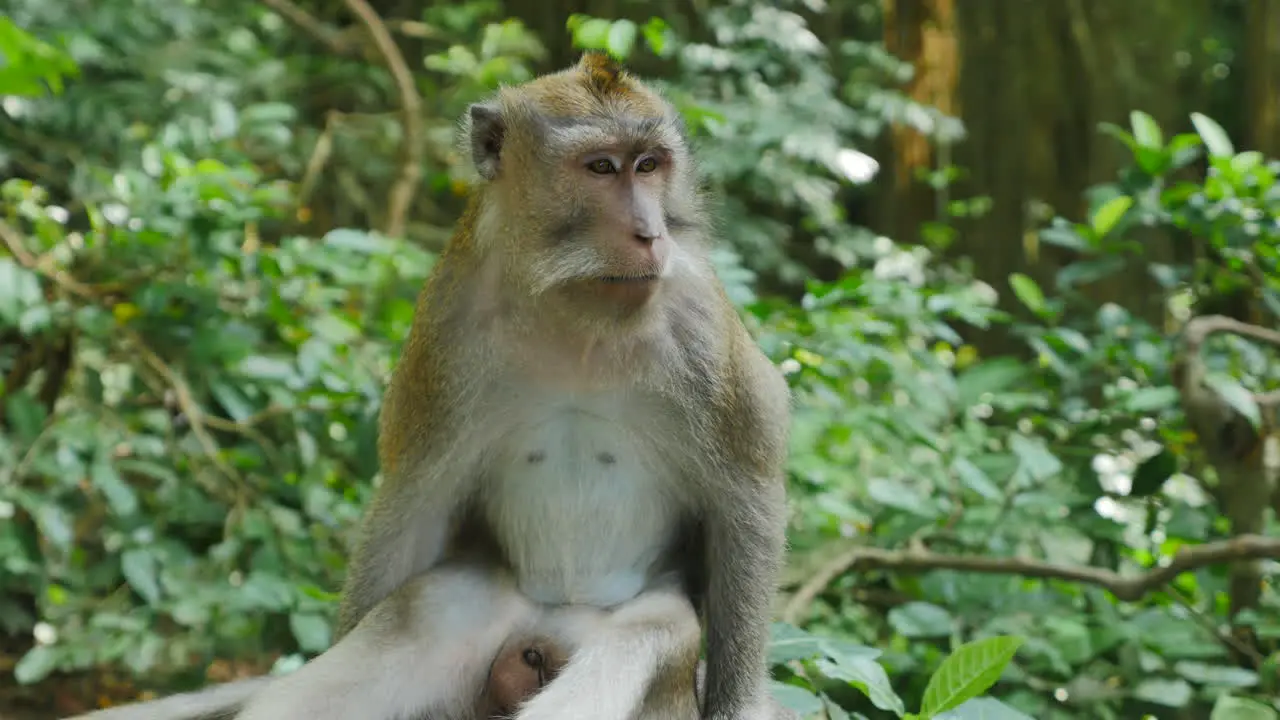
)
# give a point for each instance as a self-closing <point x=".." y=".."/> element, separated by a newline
<point x="579" y="401"/>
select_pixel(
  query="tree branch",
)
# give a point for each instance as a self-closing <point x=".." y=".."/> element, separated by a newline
<point x="42" y="266"/>
<point x="313" y="26"/>
<point x="187" y="403"/>
<point x="1126" y="588"/>
<point x="406" y="184"/>
<point x="1199" y="328"/>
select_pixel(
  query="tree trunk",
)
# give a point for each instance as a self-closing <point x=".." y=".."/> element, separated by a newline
<point x="1261" y="68"/>
<point x="1036" y="79"/>
<point x="922" y="33"/>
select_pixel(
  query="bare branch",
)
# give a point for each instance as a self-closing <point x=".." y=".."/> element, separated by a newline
<point x="188" y="405"/>
<point x="40" y="265"/>
<point x="330" y="37"/>
<point x="406" y="184"/>
<point x="1198" y="329"/>
<point x="1127" y="588"/>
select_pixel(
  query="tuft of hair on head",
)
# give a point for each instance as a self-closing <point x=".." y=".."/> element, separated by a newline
<point x="604" y="74"/>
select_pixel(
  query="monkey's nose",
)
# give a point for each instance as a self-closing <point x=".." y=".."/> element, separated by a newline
<point x="647" y="232"/>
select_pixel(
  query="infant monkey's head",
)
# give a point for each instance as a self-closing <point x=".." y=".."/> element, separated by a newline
<point x="522" y="667"/>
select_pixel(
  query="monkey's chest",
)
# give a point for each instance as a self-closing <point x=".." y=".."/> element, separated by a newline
<point x="584" y="509"/>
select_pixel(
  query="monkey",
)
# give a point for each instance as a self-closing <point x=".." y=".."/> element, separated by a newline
<point x="577" y="400"/>
<point x="578" y="397"/>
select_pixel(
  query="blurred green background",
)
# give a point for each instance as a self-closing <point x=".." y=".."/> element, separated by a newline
<point x="1019" y="262"/>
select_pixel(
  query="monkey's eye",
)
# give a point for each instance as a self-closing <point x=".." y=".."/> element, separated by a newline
<point x="603" y="166"/>
<point x="647" y="165"/>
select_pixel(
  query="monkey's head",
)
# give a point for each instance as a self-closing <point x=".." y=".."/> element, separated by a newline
<point x="588" y="192"/>
<point x="522" y="667"/>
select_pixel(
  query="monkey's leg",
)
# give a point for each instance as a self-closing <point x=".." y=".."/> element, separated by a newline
<point x="424" y="651"/>
<point x="215" y="703"/>
<point x="610" y="673"/>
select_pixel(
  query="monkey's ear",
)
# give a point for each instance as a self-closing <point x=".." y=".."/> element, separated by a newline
<point x="487" y="132"/>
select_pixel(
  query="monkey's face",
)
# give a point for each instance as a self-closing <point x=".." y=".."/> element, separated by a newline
<point x="606" y="231"/>
<point x="590" y="188"/>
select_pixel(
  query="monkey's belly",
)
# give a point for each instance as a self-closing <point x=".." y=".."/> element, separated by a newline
<point x="584" y="516"/>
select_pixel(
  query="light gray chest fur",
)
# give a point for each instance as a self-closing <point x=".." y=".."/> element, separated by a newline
<point x="582" y="500"/>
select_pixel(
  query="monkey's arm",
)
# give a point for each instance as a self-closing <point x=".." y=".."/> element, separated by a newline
<point x="404" y="533"/>
<point x="745" y="534"/>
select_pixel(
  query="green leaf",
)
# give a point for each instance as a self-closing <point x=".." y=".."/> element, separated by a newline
<point x="148" y="468"/>
<point x="972" y="477"/>
<point x="921" y="620"/>
<point x="621" y="38"/>
<point x="967" y="673"/>
<point x="1246" y="161"/>
<point x="1152" y="399"/>
<point x="359" y="241"/>
<point x="591" y="33"/>
<point x="1169" y="693"/>
<point x="261" y="367"/>
<point x="843" y="651"/>
<point x="36" y="665"/>
<point x="1152" y="473"/>
<point x="869" y="677"/>
<point x="311" y="631"/>
<point x="1088" y="271"/>
<point x="25" y="414"/>
<point x="1034" y="457"/>
<point x="657" y="35"/>
<point x="897" y="494"/>
<point x="119" y="495"/>
<point x="55" y="526"/>
<point x="1145" y="130"/>
<point x="1235" y="395"/>
<point x="796" y="698"/>
<point x="1215" y="138"/>
<point x="1106" y="217"/>
<point x="1233" y="708"/>
<point x="989" y="376"/>
<point x="140" y="570"/>
<point x="1217" y="675"/>
<point x="1065" y="236"/>
<point x="790" y="643"/>
<point x="984" y="708"/>
<point x="1027" y="291"/>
